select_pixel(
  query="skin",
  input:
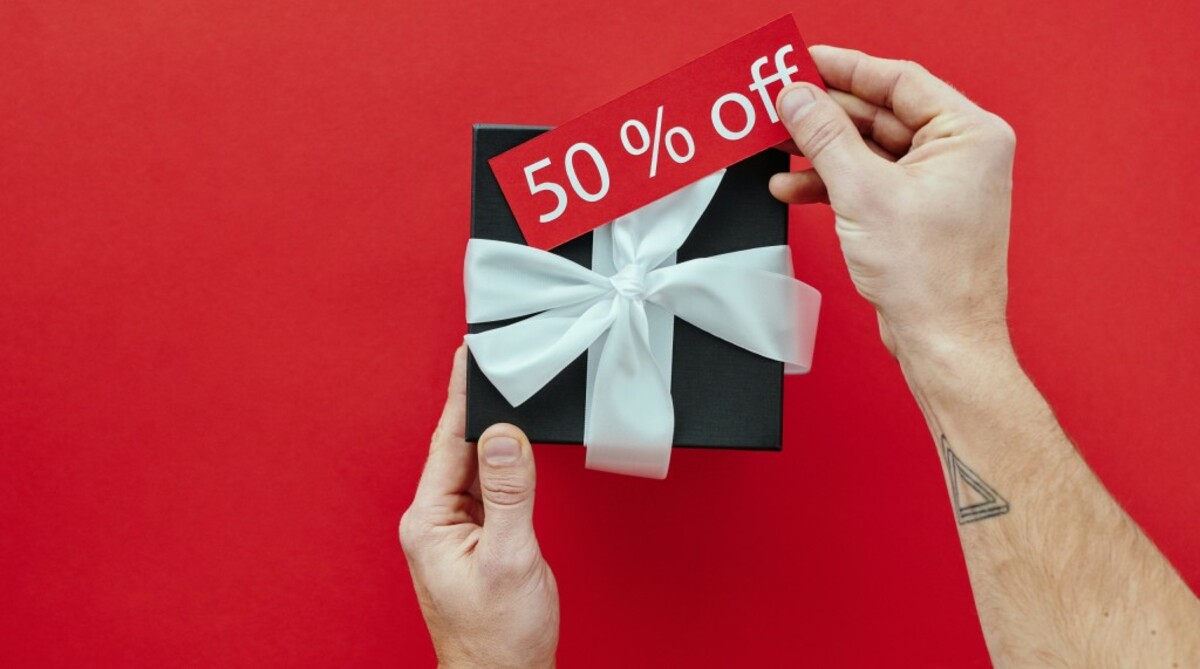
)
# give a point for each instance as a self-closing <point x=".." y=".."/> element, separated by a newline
<point x="920" y="181"/>
<point x="488" y="597"/>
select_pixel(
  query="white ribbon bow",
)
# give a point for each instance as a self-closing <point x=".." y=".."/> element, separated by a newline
<point x="624" y="319"/>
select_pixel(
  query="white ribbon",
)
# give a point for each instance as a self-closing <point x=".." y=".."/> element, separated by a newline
<point x="748" y="298"/>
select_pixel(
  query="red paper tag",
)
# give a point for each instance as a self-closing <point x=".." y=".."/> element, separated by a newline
<point x="706" y="115"/>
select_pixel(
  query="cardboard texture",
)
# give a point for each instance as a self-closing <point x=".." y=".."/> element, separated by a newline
<point x="724" y="396"/>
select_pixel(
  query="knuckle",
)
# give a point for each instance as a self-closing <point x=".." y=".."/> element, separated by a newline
<point x="1002" y="131"/>
<point x="822" y="131"/>
<point x="410" y="531"/>
<point x="506" y="489"/>
<point x="991" y="126"/>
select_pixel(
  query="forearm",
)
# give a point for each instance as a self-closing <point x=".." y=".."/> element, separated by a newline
<point x="1061" y="575"/>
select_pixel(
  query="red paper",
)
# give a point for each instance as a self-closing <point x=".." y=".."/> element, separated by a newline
<point x="706" y="115"/>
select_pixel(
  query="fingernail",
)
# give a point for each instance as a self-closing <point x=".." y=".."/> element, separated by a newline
<point x="796" y="103"/>
<point x="501" y="451"/>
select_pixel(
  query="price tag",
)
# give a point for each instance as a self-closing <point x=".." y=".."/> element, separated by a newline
<point x="706" y="115"/>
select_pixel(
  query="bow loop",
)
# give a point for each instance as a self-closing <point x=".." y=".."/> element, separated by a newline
<point x="648" y="236"/>
<point x="748" y="298"/>
<point x="522" y="357"/>
<point x="505" y="280"/>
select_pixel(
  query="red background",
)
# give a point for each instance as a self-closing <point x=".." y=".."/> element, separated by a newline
<point x="229" y="289"/>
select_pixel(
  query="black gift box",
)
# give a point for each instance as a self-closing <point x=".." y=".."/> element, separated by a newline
<point x="724" y="395"/>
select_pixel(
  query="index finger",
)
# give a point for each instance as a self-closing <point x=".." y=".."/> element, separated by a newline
<point x="450" y="467"/>
<point x="913" y="94"/>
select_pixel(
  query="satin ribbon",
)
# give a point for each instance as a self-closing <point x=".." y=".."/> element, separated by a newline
<point x="748" y="298"/>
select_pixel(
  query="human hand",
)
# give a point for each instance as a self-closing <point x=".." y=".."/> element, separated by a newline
<point x="488" y="597"/>
<point x="920" y="181"/>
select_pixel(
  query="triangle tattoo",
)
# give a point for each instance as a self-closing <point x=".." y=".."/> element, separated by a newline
<point x="973" y="498"/>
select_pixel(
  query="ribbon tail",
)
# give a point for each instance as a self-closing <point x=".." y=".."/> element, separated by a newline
<point x="632" y="420"/>
<point x="762" y="309"/>
<point x="522" y="357"/>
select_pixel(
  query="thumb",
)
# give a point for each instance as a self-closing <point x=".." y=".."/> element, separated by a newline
<point x="825" y="135"/>
<point x="506" y="482"/>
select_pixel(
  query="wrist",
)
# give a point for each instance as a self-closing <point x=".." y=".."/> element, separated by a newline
<point x="459" y="665"/>
<point x="942" y="370"/>
<point x="529" y="663"/>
